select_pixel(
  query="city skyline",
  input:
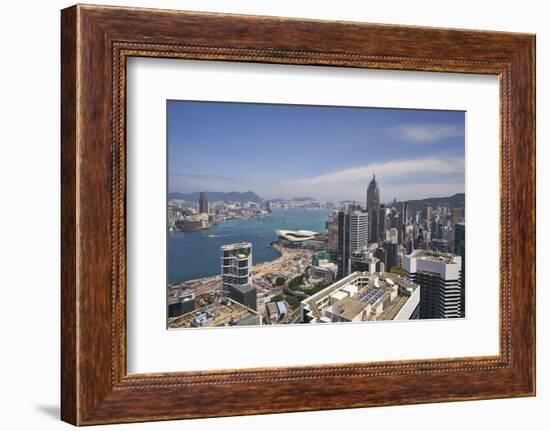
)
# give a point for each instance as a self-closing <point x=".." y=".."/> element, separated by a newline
<point x="327" y="153"/>
<point x="369" y="262"/>
<point x="309" y="214"/>
<point x="313" y="198"/>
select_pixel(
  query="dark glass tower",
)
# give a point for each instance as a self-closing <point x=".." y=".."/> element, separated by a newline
<point x="392" y="255"/>
<point x="404" y="219"/>
<point x="460" y="250"/>
<point x="203" y="203"/>
<point x="353" y="228"/>
<point x="373" y="209"/>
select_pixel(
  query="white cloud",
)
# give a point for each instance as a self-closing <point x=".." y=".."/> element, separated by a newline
<point x="394" y="169"/>
<point x="402" y="179"/>
<point x="426" y="133"/>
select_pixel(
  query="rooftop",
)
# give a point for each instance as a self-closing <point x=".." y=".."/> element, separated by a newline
<point x="236" y="246"/>
<point x="226" y="312"/>
<point x="243" y="288"/>
<point x="434" y="256"/>
<point x="386" y="292"/>
<point x="348" y="307"/>
<point x="296" y="235"/>
<point x="364" y="279"/>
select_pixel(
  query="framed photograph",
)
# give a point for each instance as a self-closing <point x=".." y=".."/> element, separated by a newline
<point x="322" y="242"/>
<point x="267" y="215"/>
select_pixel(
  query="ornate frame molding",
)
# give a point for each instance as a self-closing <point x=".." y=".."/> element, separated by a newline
<point x="96" y="41"/>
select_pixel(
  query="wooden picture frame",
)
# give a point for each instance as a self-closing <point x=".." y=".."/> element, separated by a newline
<point x="95" y="43"/>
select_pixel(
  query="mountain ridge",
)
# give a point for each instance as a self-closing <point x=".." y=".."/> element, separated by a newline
<point x="234" y="196"/>
<point x="457" y="200"/>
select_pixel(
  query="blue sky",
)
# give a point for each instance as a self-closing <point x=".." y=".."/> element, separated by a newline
<point x="327" y="153"/>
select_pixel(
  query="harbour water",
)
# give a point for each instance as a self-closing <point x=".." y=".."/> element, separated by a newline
<point x="196" y="254"/>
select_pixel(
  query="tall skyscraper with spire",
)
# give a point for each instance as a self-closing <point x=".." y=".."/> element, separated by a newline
<point x="373" y="209"/>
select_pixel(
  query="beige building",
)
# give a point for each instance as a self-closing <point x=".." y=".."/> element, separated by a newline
<point x="363" y="296"/>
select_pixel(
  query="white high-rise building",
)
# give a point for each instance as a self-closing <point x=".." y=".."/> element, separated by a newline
<point x="393" y="236"/>
<point x="439" y="276"/>
<point x="236" y="271"/>
<point x="358" y="230"/>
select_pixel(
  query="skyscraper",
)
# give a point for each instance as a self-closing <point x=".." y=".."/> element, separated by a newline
<point x="392" y="253"/>
<point x="427" y="214"/>
<point x="332" y="230"/>
<point x="440" y="245"/>
<point x="457" y="215"/>
<point x="203" y="203"/>
<point x="439" y="277"/>
<point x="405" y="213"/>
<point x="172" y="216"/>
<point x="353" y="227"/>
<point x="404" y="219"/>
<point x="460" y="250"/>
<point x="393" y="219"/>
<point x="381" y="254"/>
<point x="382" y="221"/>
<point x="373" y="209"/>
<point x="448" y="233"/>
<point x="236" y="271"/>
<point x="393" y="235"/>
